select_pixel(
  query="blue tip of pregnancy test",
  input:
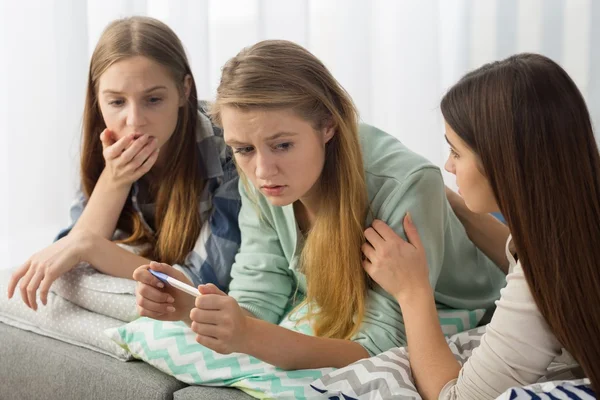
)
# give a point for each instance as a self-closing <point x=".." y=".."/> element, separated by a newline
<point x="159" y="275"/>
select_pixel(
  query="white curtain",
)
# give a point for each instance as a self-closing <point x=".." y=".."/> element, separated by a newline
<point x="395" y="57"/>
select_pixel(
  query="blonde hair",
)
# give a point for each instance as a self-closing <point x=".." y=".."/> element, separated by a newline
<point x="177" y="193"/>
<point x="277" y="74"/>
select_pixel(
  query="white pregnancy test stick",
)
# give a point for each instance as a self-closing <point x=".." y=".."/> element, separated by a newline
<point x="184" y="287"/>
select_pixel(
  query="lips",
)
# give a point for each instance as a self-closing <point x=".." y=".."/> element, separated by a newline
<point x="273" y="190"/>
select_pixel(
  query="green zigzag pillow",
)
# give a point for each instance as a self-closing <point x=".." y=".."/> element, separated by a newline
<point x="172" y="348"/>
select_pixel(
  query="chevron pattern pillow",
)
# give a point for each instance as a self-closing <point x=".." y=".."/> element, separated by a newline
<point x="172" y="348"/>
<point x="387" y="375"/>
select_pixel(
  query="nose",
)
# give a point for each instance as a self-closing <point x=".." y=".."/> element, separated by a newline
<point x="449" y="166"/>
<point x="135" y="116"/>
<point x="265" y="166"/>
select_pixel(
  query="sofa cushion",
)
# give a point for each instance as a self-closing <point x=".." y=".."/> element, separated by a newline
<point x="37" y="367"/>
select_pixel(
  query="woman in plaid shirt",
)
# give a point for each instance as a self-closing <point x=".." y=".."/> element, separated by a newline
<point x="178" y="205"/>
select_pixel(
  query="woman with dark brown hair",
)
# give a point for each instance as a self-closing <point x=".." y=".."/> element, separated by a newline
<point x="521" y="143"/>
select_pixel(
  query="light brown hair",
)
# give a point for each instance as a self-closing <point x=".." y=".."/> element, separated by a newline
<point x="177" y="193"/>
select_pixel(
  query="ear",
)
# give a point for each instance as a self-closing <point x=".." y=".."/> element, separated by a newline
<point x="187" y="89"/>
<point x="328" y="133"/>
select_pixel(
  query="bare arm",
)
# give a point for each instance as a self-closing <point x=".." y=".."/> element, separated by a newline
<point x="484" y="230"/>
<point x="109" y="258"/>
<point x="225" y="327"/>
<point x="432" y="363"/>
<point x="292" y="350"/>
<point x="102" y="211"/>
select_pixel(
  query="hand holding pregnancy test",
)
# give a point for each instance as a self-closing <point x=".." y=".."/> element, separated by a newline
<point x="184" y="287"/>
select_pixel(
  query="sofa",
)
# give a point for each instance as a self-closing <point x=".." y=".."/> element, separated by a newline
<point x="38" y="367"/>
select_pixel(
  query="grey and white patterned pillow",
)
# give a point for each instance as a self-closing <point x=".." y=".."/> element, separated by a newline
<point x="388" y="375"/>
<point x="62" y="320"/>
<point x="97" y="292"/>
<point x="89" y="288"/>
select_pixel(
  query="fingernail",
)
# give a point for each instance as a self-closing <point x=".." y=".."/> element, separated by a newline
<point x="409" y="217"/>
<point x="160" y="285"/>
<point x="171" y="300"/>
<point x="170" y="309"/>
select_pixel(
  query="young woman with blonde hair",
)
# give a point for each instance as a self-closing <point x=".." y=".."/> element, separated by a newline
<point x="180" y="205"/>
<point x="313" y="179"/>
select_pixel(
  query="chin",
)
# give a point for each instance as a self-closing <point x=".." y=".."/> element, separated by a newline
<point x="480" y="208"/>
<point x="279" y="201"/>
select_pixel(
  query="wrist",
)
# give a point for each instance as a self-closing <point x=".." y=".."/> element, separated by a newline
<point x="415" y="295"/>
<point x="110" y="184"/>
<point x="248" y="338"/>
<point x="84" y="242"/>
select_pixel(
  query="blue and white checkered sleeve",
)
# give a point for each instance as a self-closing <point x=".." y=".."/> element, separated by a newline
<point x="219" y="240"/>
<point x="75" y="212"/>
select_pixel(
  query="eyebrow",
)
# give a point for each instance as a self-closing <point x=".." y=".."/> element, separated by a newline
<point x="448" y="141"/>
<point x="278" y="135"/>
<point x="152" y="89"/>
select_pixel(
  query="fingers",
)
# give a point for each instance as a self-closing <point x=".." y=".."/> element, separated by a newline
<point x="147" y="164"/>
<point x="374" y="238"/>
<point x="24" y="284"/>
<point x="16" y="277"/>
<point x="211" y="301"/>
<point x="368" y="251"/>
<point x="384" y="230"/>
<point x="150" y="314"/>
<point x="106" y="138"/>
<point x="207" y="330"/>
<point x="49" y="278"/>
<point x="206" y="316"/>
<point x="45" y="288"/>
<point x="367" y="266"/>
<point x="116" y="149"/>
<point x="32" y="288"/>
<point x="171" y="271"/>
<point x="208" y="341"/>
<point x="136" y="147"/>
<point x="146" y="305"/>
<point x="211" y="289"/>
<point x="143" y="155"/>
<point x="411" y="231"/>
<point x="153" y="295"/>
<point x="142" y="275"/>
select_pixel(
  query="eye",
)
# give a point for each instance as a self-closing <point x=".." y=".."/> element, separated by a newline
<point x="243" y="151"/>
<point x="284" y="146"/>
<point x="116" y="102"/>
<point x="154" y="100"/>
<point x="454" y="154"/>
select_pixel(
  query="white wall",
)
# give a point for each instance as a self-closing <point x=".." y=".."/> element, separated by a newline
<point x="396" y="58"/>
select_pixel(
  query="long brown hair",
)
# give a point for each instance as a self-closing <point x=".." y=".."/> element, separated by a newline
<point x="282" y="75"/>
<point x="528" y="123"/>
<point x="177" y="193"/>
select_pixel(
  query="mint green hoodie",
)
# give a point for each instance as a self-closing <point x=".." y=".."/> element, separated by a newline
<point x="265" y="273"/>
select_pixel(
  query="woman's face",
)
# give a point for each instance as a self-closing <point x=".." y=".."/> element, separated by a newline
<point x="138" y="96"/>
<point x="279" y="152"/>
<point x="473" y="186"/>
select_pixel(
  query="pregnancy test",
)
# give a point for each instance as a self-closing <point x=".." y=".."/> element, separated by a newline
<point x="184" y="287"/>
